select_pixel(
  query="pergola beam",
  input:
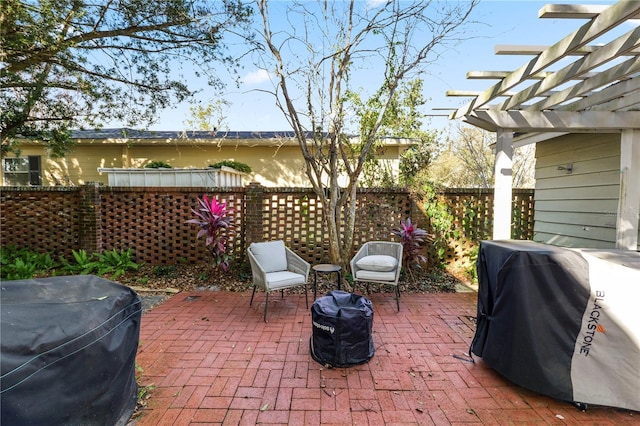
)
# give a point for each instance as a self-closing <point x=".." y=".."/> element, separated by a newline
<point x="595" y="93"/>
<point x="559" y="121"/>
<point x="605" y="21"/>
<point x="620" y="71"/>
<point x="470" y="93"/>
<point x="476" y="122"/>
<point x="570" y="11"/>
<point x="516" y="49"/>
<point x="629" y="198"/>
<point x="503" y="185"/>
<point x="612" y="50"/>
<point x="623" y="103"/>
<point x="498" y="75"/>
<point x="621" y="89"/>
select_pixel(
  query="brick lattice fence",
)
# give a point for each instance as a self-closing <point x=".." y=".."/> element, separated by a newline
<point x="151" y="220"/>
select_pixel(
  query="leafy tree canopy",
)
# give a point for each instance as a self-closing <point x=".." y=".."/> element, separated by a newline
<point x="402" y="119"/>
<point x="73" y="63"/>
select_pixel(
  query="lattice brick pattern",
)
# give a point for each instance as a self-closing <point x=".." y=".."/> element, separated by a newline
<point x="378" y="213"/>
<point x="152" y="221"/>
<point x="296" y="218"/>
<point x="44" y="221"/>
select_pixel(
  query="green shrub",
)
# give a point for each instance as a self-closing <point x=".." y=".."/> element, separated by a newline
<point x="23" y="263"/>
<point x="18" y="270"/>
<point x="441" y="220"/>
<point x="84" y="263"/>
<point x="115" y="262"/>
<point x="236" y="165"/>
<point x="470" y="267"/>
<point x="157" y="164"/>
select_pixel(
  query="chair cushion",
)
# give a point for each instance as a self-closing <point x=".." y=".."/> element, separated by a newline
<point x="283" y="279"/>
<point x="365" y="275"/>
<point x="270" y="255"/>
<point x="378" y="263"/>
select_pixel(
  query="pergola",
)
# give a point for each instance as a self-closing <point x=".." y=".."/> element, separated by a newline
<point x="597" y="91"/>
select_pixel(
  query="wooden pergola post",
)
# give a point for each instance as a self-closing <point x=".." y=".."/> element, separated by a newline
<point x="597" y="91"/>
<point x="503" y="185"/>
<point x="628" y="215"/>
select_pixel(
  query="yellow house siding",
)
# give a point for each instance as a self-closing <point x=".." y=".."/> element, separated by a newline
<point x="82" y="164"/>
<point x="273" y="167"/>
<point x="78" y="167"/>
<point x="275" y="161"/>
<point x="577" y="209"/>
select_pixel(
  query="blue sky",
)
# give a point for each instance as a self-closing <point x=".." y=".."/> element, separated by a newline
<point x="499" y="23"/>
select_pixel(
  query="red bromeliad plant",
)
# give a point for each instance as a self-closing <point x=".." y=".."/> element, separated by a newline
<point x="412" y="239"/>
<point x="214" y="219"/>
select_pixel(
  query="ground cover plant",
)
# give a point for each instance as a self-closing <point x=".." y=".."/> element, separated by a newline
<point x="25" y="263"/>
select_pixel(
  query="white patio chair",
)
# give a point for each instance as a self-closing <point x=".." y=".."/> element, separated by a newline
<point x="378" y="262"/>
<point x="276" y="267"/>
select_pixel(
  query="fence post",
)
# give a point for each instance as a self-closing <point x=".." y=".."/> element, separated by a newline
<point x="90" y="218"/>
<point x="417" y="213"/>
<point x="254" y="201"/>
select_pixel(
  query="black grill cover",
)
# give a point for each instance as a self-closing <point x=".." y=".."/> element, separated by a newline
<point x="562" y="322"/>
<point x="342" y="329"/>
<point x="531" y="298"/>
<point x="68" y="351"/>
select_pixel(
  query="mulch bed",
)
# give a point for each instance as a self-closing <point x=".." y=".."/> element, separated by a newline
<point x="156" y="283"/>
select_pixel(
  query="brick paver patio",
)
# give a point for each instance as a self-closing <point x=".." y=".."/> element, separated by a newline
<point x="214" y="361"/>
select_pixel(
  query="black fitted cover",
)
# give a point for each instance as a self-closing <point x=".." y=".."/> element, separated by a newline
<point x="560" y="321"/>
<point x="68" y="348"/>
<point x="342" y="329"/>
<point x="531" y="299"/>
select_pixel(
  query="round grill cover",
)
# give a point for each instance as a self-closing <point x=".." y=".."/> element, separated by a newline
<point x="342" y="329"/>
<point x="67" y="353"/>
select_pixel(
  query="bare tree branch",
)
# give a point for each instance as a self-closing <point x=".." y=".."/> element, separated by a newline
<point x="338" y="38"/>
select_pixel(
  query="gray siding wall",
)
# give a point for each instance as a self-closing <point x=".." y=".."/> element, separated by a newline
<point x="577" y="209"/>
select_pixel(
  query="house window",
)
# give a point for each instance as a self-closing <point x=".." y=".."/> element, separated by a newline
<point x="22" y="171"/>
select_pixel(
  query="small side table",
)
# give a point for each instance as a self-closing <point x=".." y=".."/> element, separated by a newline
<point x="325" y="268"/>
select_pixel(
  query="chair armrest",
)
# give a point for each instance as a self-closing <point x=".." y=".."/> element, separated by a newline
<point x="297" y="264"/>
<point x="359" y="255"/>
<point x="258" y="274"/>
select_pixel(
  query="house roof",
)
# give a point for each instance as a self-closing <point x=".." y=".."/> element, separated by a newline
<point x="127" y="133"/>
<point x="250" y="138"/>
<point x="597" y="91"/>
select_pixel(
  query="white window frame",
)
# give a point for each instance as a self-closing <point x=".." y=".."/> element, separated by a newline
<point x="28" y="173"/>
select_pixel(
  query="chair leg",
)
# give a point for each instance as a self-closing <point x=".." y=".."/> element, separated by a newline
<point x="315" y="284"/>
<point x="266" y="305"/>
<point x="398" y="297"/>
<point x="306" y="296"/>
<point x="252" y="294"/>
